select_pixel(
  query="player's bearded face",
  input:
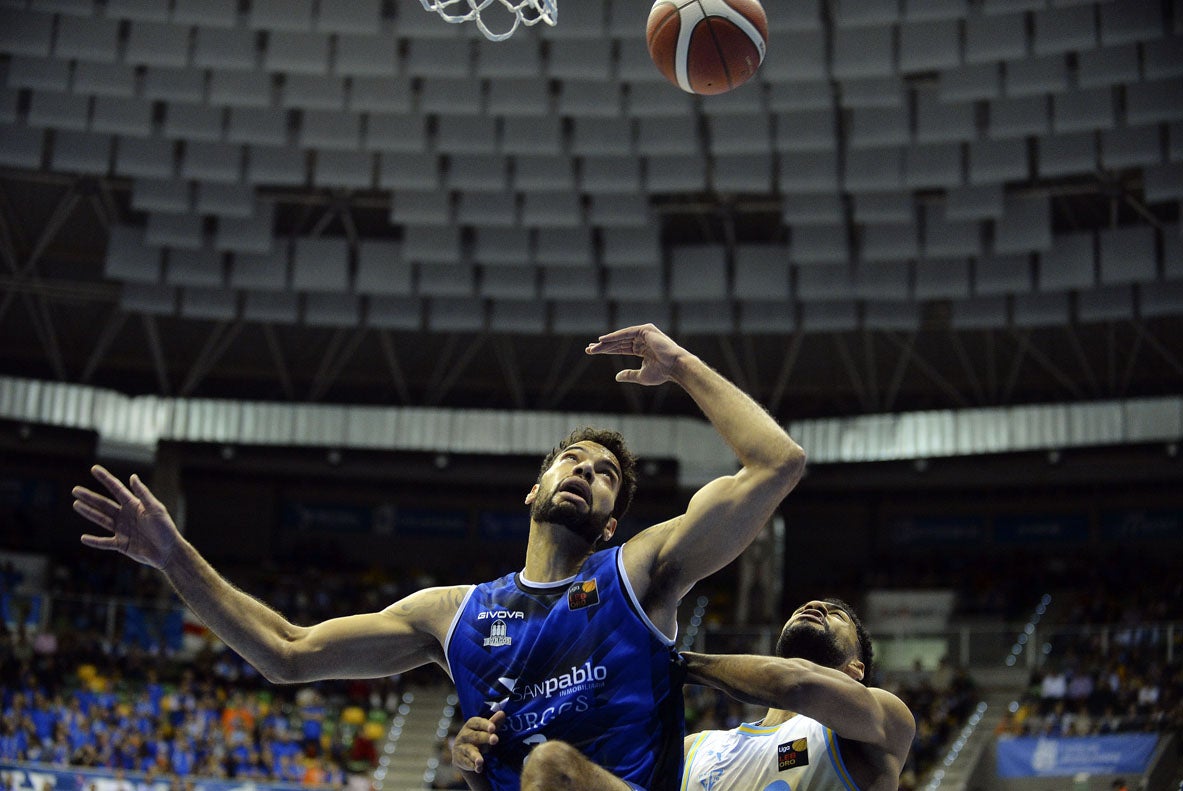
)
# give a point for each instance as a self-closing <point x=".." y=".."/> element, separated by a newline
<point x="585" y="522"/>
<point x="811" y="641"/>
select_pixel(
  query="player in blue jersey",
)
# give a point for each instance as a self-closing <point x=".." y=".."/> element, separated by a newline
<point x="575" y="648"/>
<point x="825" y="728"/>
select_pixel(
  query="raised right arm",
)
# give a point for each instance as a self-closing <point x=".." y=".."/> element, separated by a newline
<point x="404" y="635"/>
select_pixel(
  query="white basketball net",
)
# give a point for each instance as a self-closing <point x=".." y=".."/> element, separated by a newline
<point x="525" y="12"/>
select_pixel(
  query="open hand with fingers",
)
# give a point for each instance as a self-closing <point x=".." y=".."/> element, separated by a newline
<point x="660" y="356"/>
<point x="474" y="740"/>
<point x="140" y="525"/>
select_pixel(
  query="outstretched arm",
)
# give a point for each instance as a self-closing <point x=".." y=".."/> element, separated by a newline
<point x="725" y="515"/>
<point x="863" y="714"/>
<point x="403" y="636"/>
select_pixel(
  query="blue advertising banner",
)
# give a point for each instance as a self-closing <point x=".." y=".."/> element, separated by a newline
<point x="430" y="522"/>
<point x="1029" y="756"/>
<point x="503" y="525"/>
<point x="1041" y="528"/>
<point x="1141" y="525"/>
<point x="935" y="531"/>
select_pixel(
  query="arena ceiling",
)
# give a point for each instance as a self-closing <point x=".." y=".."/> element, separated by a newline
<point x="914" y="205"/>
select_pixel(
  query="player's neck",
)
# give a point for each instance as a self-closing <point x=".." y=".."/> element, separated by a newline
<point x="776" y="717"/>
<point x="554" y="553"/>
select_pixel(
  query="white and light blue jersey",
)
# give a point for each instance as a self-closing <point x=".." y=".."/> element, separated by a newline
<point x="800" y="754"/>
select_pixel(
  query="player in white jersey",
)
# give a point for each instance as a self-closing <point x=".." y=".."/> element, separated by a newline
<point x="825" y="729"/>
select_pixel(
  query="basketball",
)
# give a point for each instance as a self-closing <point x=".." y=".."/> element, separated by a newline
<point x="707" y="46"/>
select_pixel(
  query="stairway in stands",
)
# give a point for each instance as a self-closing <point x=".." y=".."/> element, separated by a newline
<point x="410" y="754"/>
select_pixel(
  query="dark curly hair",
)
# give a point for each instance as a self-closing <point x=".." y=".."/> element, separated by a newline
<point x="866" y="652"/>
<point x="614" y="442"/>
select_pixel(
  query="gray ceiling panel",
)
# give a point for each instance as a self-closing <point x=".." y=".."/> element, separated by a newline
<point x="256" y="125"/>
<point x="174" y="85"/>
<point x="1164" y="182"/>
<point x="81" y="152"/>
<point x="1025" y="225"/>
<point x="635" y="283"/>
<point x="601" y="136"/>
<point x="145" y="158"/>
<point x="59" y="110"/>
<point x="799" y="57"/>
<point x="510" y="282"/>
<point x="756" y="318"/>
<point x="979" y="314"/>
<point x="130" y="258"/>
<point x="1069" y="264"/>
<point x="104" y="79"/>
<point x="761" y="273"/>
<point x="564" y="282"/>
<point x="240" y="89"/>
<point x="930" y="165"/>
<point x="1063" y="155"/>
<point x="824" y="283"/>
<point x="247" y="235"/>
<point x="1131" y="147"/>
<point x="675" y="174"/>
<point x="431" y="244"/>
<point x="265" y="272"/>
<point x="705" y="318"/>
<point x="1069" y="29"/>
<point x="445" y="280"/>
<point x="979" y="202"/>
<point x="1082" y="111"/>
<point x="183" y="231"/>
<point x="589" y="59"/>
<point x="395" y="313"/>
<point x="889" y="242"/>
<point x="332" y="130"/>
<point x="632" y="312"/>
<point x="874" y="169"/>
<point x="995" y="161"/>
<point x="380" y="95"/>
<point x="873" y="92"/>
<point x="940" y="121"/>
<point x="1154" y="102"/>
<point x="149" y="299"/>
<point x="197" y="122"/>
<point x="1130" y="21"/>
<point x="332" y="310"/>
<point x="539" y="173"/>
<point x="936" y="9"/>
<point x="1115" y="303"/>
<point x="408" y="171"/>
<point x="281" y="14"/>
<point x="602" y="99"/>
<point x="819" y="244"/>
<point x="996" y="37"/>
<point x="1036" y="76"/>
<point x="211" y="304"/>
<point x="119" y="116"/>
<point x="38" y="73"/>
<point x="501" y="245"/>
<point x="276" y="165"/>
<point x="297" y="53"/>
<point x="1127" y="255"/>
<point x="214" y="13"/>
<point x="829" y="316"/>
<point x="493" y="209"/>
<point x="1040" y="310"/>
<point x="809" y="172"/>
<point x="971" y="82"/>
<point x="150" y="10"/>
<point x="619" y="211"/>
<point x="884" y="207"/>
<point x="202" y="268"/>
<point x="610" y="175"/>
<point x="552" y="210"/>
<point x="381" y="270"/>
<point x="356" y="16"/>
<point x="157" y="44"/>
<point x="518" y="316"/>
<point x="740" y="133"/>
<point x="698" y="272"/>
<point x="882" y="281"/>
<point x="751" y="173"/>
<point x="901" y="316"/>
<point x="364" y="54"/>
<point x="164" y="196"/>
<point x="25" y="33"/>
<point x="798" y="96"/>
<point x="879" y="126"/>
<point x="421" y="207"/>
<point x="87" y="39"/>
<point x="1107" y="66"/>
<point x="863" y="52"/>
<point x="522" y="60"/>
<point x="950" y="239"/>
<point x="216" y="48"/>
<point x="271" y="308"/>
<point x="1161" y="300"/>
<point x="221" y="162"/>
<point x="313" y="92"/>
<point x="942" y="279"/>
<point x="1163" y="59"/>
<point x="520" y="98"/>
<point x="813" y="209"/>
<point x="929" y="45"/>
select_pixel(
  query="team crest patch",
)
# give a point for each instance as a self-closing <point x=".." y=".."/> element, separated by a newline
<point x="497" y="636"/>
<point x="583" y="594"/>
<point x="791" y="755"/>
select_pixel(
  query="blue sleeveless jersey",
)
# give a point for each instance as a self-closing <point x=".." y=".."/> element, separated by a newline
<point x="576" y="660"/>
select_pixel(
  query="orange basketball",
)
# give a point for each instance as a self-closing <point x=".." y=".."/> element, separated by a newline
<point x="707" y="46"/>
